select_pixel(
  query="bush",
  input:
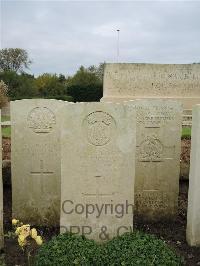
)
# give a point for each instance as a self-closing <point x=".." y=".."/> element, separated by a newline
<point x="129" y="249"/>
<point x="68" y="249"/>
<point x="85" y="86"/>
<point x="90" y="93"/>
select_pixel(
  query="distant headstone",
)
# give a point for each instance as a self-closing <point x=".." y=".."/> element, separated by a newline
<point x="1" y="195"/>
<point x="158" y="136"/>
<point x="35" y="155"/>
<point x="97" y="169"/>
<point x="179" y="82"/>
<point x="193" y="215"/>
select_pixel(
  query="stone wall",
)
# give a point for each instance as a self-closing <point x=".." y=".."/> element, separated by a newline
<point x="179" y="82"/>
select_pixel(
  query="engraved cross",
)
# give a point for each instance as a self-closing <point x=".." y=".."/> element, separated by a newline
<point x="42" y="172"/>
<point x="98" y="195"/>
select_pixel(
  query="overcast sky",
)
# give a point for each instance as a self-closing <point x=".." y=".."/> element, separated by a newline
<point x="62" y="35"/>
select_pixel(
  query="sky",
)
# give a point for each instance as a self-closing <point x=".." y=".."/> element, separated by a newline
<point x="60" y="36"/>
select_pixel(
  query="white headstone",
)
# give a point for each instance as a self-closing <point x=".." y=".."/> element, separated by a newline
<point x="193" y="215"/>
<point x="157" y="157"/>
<point x="35" y="136"/>
<point x="97" y="169"/>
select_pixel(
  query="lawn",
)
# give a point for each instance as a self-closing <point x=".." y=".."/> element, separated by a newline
<point x="5" y="118"/>
<point x="6" y="131"/>
<point x="186" y="132"/>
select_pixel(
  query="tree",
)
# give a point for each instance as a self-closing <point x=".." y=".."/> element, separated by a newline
<point x="97" y="70"/>
<point x="14" y="59"/>
<point x="3" y="93"/>
<point x="52" y="86"/>
<point x="85" y="86"/>
<point x="19" y="86"/>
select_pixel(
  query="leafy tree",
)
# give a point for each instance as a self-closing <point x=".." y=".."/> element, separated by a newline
<point x="61" y="78"/>
<point x="3" y="93"/>
<point x="14" y="59"/>
<point x="19" y="86"/>
<point x="85" y="86"/>
<point x="49" y="85"/>
<point x="97" y="70"/>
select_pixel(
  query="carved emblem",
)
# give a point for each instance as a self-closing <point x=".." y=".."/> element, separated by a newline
<point x="150" y="150"/>
<point x="41" y="120"/>
<point x="99" y="128"/>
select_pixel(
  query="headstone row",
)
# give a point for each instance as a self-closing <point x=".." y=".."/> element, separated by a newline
<point x="78" y="163"/>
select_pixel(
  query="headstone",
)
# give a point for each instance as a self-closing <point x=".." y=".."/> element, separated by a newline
<point x="1" y="196"/>
<point x="158" y="146"/>
<point x="35" y="156"/>
<point x="179" y="82"/>
<point x="193" y="215"/>
<point x="97" y="169"/>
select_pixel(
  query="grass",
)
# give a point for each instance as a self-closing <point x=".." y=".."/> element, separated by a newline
<point x="5" y="118"/>
<point x="6" y="131"/>
<point x="186" y="132"/>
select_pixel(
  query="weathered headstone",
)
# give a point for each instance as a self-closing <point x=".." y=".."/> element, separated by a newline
<point x="35" y="155"/>
<point x="179" y="82"/>
<point x="1" y="195"/>
<point x="97" y="169"/>
<point x="193" y="215"/>
<point x="158" y="137"/>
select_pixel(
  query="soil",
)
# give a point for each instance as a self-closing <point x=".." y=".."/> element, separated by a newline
<point x="172" y="232"/>
<point x="185" y="150"/>
<point x="6" y="148"/>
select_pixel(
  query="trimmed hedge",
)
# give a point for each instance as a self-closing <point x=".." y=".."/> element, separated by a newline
<point x="129" y="249"/>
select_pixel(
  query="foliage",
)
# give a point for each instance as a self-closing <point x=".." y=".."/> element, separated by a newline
<point x="25" y="86"/>
<point x="14" y="59"/>
<point x="3" y="94"/>
<point x="68" y="249"/>
<point x="2" y="260"/>
<point x="49" y="85"/>
<point x="19" y="86"/>
<point x="97" y="70"/>
<point x="85" y="86"/>
<point x="129" y="249"/>
<point x="27" y="237"/>
<point x="88" y="93"/>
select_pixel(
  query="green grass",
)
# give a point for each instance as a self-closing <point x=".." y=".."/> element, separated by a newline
<point x="5" y="118"/>
<point x="186" y="132"/>
<point x="6" y="131"/>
